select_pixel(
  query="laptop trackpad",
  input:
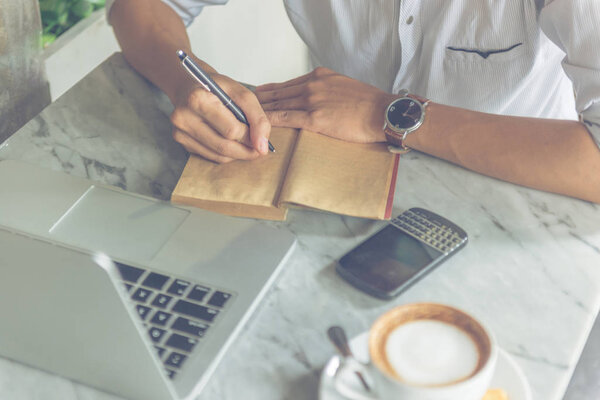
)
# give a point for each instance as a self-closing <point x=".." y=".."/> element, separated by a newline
<point x="122" y="225"/>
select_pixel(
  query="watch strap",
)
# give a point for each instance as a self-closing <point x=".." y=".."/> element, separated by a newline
<point x="396" y="143"/>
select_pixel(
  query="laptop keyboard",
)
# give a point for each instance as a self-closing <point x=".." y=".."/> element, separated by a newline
<point x="177" y="313"/>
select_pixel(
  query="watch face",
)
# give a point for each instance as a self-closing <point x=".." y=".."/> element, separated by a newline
<point x="404" y="114"/>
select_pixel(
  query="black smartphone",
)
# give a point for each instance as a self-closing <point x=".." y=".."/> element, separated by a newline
<point x="401" y="253"/>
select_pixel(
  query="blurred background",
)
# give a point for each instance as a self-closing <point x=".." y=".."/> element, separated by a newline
<point x="23" y="86"/>
<point x="249" y="40"/>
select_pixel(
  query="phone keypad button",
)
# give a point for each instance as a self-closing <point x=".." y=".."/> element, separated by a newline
<point x="435" y="233"/>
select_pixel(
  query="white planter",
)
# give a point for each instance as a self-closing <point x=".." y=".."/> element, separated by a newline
<point x="250" y="40"/>
<point x="76" y="52"/>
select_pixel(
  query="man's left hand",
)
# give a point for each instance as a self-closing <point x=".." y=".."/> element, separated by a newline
<point x="326" y="102"/>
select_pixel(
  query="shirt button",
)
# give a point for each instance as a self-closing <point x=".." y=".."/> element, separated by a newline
<point x="409" y="20"/>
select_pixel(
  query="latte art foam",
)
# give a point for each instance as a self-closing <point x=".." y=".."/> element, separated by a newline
<point x="431" y="353"/>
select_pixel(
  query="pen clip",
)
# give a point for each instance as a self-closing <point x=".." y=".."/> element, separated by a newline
<point x="195" y="77"/>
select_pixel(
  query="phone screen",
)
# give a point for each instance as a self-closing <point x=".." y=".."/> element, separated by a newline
<point x="388" y="259"/>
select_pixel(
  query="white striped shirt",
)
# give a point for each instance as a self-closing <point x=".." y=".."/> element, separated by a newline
<point x="511" y="57"/>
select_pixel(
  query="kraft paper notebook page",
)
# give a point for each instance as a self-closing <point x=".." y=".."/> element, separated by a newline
<point x="307" y="170"/>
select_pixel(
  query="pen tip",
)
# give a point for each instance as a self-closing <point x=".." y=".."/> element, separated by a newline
<point x="181" y="54"/>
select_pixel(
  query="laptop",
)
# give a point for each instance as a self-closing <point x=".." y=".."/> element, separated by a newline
<point x="122" y="292"/>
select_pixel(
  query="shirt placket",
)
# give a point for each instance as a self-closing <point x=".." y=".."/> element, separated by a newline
<point x="409" y="35"/>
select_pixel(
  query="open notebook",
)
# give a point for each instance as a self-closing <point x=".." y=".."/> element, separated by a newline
<point x="307" y="170"/>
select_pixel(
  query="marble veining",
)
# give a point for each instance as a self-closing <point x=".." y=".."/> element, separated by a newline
<point x="531" y="269"/>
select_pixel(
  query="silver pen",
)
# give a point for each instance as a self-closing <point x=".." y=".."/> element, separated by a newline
<point x="210" y="85"/>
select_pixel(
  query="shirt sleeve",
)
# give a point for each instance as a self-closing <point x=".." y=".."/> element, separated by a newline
<point x="186" y="9"/>
<point x="573" y="25"/>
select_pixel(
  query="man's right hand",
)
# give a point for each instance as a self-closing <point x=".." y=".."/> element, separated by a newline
<point x="150" y="33"/>
<point x="204" y="126"/>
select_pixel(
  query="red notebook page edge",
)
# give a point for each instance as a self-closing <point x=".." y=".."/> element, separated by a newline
<point x="390" y="199"/>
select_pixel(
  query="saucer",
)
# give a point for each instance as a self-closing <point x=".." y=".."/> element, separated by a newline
<point x="508" y="375"/>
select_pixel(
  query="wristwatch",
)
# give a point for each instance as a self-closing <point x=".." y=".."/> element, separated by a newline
<point x="403" y="116"/>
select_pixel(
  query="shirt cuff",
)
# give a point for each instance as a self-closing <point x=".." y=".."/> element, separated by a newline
<point x="591" y="119"/>
<point x="186" y="12"/>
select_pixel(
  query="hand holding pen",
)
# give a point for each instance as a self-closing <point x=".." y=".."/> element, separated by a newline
<point x="207" y="120"/>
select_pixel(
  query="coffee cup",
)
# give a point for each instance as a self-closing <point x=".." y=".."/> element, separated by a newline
<point x="423" y="351"/>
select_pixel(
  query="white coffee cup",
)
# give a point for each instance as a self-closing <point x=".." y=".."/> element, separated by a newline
<point x="424" y="351"/>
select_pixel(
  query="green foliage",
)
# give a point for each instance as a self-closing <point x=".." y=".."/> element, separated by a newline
<point x="60" y="15"/>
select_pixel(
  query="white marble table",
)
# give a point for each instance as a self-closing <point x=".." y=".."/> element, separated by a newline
<point x="531" y="269"/>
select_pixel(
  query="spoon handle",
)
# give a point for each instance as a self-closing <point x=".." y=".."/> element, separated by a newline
<point x="340" y="341"/>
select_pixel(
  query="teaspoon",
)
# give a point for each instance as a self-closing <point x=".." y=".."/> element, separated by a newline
<point x="340" y="341"/>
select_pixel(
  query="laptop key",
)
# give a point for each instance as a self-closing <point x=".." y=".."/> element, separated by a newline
<point x="181" y="342"/>
<point x="160" y="318"/>
<point x="178" y="287"/>
<point x="198" y="293"/>
<point x="128" y="287"/>
<point x="143" y="311"/>
<point x="192" y="327"/>
<point x="160" y="351"/>
<point x="171" y="374"/>
<point x="161" y="300"/>
<point x="195" y="311"/>
<point x="155" y="281"/>
<point x="156" y="334"/>
<point x="129" y="273"/>
<point x="219" y="299"/>
<point x="141" y="295"/>
<point x="175" y="360"/>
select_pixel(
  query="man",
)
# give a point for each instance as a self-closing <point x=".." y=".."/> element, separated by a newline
<point x="501" y="77"/>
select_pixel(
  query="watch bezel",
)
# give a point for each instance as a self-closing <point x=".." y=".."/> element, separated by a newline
<point x="403" y="131"/>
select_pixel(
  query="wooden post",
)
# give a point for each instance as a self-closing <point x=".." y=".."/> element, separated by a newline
<point x="24" y="89"/>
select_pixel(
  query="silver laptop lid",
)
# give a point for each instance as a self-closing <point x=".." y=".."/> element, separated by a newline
<point x="242" y="256"/>
<point x="62" y="312"/>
